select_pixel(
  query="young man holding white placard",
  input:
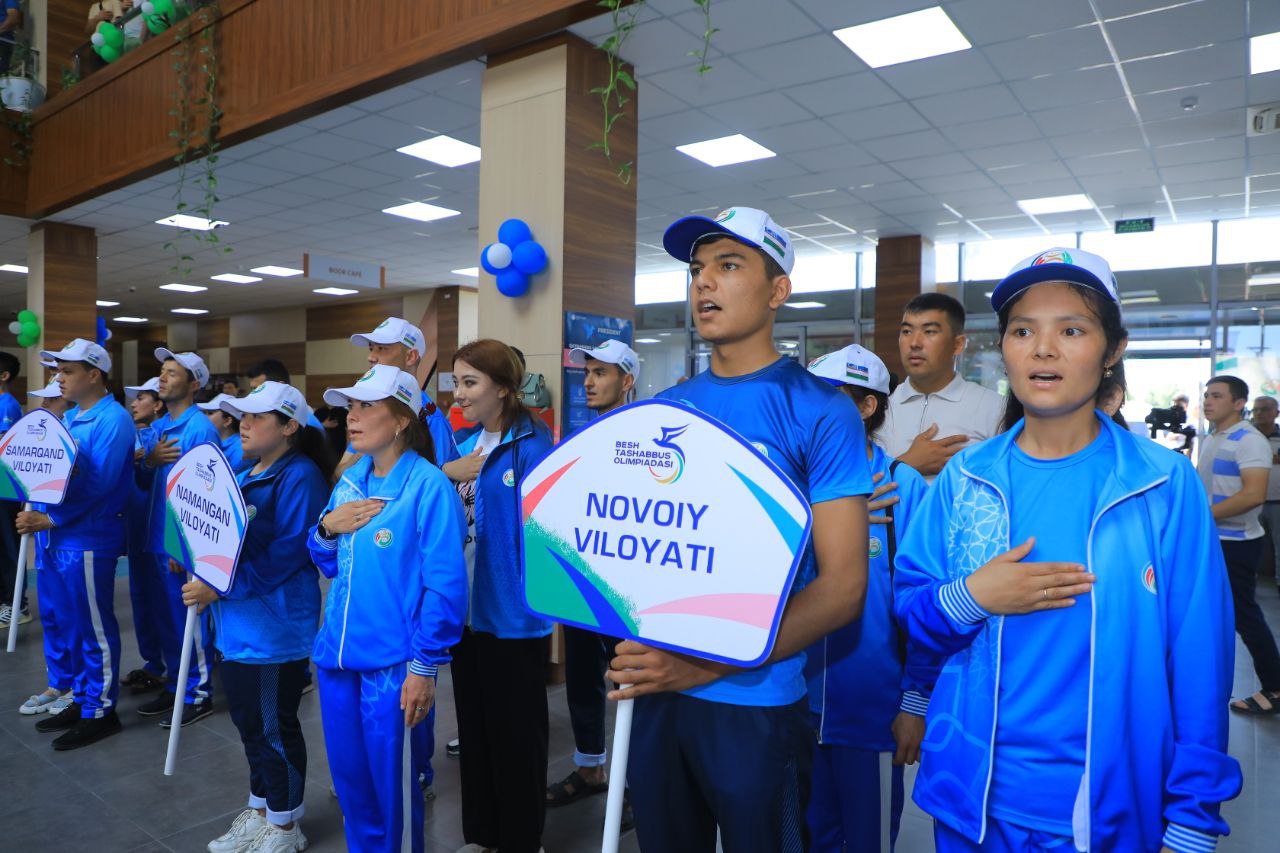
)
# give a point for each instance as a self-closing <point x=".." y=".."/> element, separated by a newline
<point x="715" y="747"/>
<point x="86" y="537"/>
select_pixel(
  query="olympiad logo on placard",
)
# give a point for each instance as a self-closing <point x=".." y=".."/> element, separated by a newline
<point x="205" y="516"/>
<point x="697" y="560"/>
<point x="37" y="456"/>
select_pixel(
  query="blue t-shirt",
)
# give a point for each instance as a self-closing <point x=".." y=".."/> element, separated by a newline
<point x="1044" y="673"/>
<point x="10" y="411"/>
<point x="814" y="434"/>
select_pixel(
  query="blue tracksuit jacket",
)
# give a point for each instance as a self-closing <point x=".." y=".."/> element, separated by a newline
<point x="92" y="515"/>
<point x="190" y="428"/>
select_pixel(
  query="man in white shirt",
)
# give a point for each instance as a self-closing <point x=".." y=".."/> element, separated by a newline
<point x="1235" y="461"/>
<point x="935" y="413"/>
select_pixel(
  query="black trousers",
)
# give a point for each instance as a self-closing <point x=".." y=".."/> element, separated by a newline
<point x="586" y="660"/>
<point x="500" y="694"/>
<point x="9" y="540"/>
<point x="263" y="700"/>
<point x="1251" y="624"/>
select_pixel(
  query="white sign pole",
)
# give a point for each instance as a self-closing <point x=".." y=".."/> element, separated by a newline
<point x="618" y="774"/>
<point x="179" y="697"/>
<point x="20" y="576"/>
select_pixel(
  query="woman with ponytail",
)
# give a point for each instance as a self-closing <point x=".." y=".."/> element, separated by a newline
<point x="265" y="624"/>
<point x="1066" y="575"/>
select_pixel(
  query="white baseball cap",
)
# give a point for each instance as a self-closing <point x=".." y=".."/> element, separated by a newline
<point x="189" y="360"/>
<point x="50" y="391"/>
<point x="50" y="363"/>
<point x="379" y="382"/>
<point x="1073" y="265"/>
<point x="269" y="397"/>
<point x="611" y="351"/>
<point x="153" y="385"/>
<point x="854" y="365"/>
<point x="394" y="330"/>
<point x="79" y="350"/>
<point x="751" y="226"/>
<point x="215" y="405"/>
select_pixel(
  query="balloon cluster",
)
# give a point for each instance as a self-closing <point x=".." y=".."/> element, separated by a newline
<point x="514" y="258"/>
<point x="26" y="327"/>
<point x="158" y="14"/>
<point x="108" y="41"/>
<point x="104" y="334"/>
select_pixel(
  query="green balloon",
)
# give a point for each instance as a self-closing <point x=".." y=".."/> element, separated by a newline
<point x="26" y="315"/>
<point x="108" y="53"/>
<point x="156" y="23"/>
<point x="26" y="341"/>
<point x="111" y="34"/>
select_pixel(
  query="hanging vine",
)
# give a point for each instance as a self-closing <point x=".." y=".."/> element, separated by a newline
<point x="197" y="116"/>
<point x="615" y="93"/>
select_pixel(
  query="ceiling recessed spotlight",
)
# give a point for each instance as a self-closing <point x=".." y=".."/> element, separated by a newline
<point x="421" y="211"/>
<point x="107" y="303"/>
<point x="904" y="38"/>
<point x="335" y="291"/>
<point x="235" y="278"/>
<point x="469" y="272"/>
<point x="1264" y="53"/>
<point x="183" y="288"/>
<point x="726" y="150"/>
<point x="12" y="268"/>
<point x="192" y="223"/>
<point x="279" y="272"/>
<point x="443" y="150"/>
<point x="189" y="311"/>
<point x="806" y="304"/>
<point x="1055" y="204"/>
<point x="129" y="319"/>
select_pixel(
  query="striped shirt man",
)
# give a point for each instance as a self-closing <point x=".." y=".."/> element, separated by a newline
<point x="1223" y="455"/>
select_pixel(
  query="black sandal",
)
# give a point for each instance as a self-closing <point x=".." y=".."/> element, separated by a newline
<point x="1254" y="707"/>
<point x="572" y="788"/>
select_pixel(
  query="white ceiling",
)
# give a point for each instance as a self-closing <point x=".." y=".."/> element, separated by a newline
<point x="1056" y="97"/>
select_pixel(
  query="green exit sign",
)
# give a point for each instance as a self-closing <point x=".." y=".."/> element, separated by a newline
<point x="1135" y="226"/>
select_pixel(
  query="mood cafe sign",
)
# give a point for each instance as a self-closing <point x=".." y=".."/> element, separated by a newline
<point x="205" y="516"/>
<point x="36" y="458"/>
<point x="659" y="524"/>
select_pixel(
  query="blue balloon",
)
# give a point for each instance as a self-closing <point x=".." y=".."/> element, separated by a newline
<point x="514" y="231"/>
<point x="513" y="283"/>
<point x="484" y="261"/>
<point x="529" y="257"/>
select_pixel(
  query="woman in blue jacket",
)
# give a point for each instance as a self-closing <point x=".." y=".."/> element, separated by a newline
<point x="265" y="624"/>
<point x="499" y="668"/>
<point x="1067" y="575"/>
<point x="867" y="690"/>
<point x="391" y="537"/>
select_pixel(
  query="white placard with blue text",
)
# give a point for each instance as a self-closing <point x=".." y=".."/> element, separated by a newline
<point x="205" y="518"/>
<point x="37" y="456"/>
<point x="660" y="524"/>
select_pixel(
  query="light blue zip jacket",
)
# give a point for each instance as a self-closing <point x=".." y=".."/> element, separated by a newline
<point x="271" y="612"/>
<point x="1162" y="649"/>
<point x="497" y="594"/>
<point x="190" y="428"/>
<point x="858" y="676"/>
<point x="400" y="588"/>
<point x="92" y="515"/>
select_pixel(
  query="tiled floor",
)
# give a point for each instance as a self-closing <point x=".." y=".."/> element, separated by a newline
<point x="114" y="797"/>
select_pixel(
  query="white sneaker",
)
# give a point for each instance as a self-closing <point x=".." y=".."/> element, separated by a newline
<point x="275" y="839"/>
<point x="6" y="615"/>
<point x="244" y="829"/>
<point x="39" y="703"/>
<point x="62" y="703"/>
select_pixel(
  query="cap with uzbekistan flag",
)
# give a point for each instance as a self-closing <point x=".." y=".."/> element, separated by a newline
<point x="50" y="391"/>
<point x="746" y="224"/>
<point x="131" y="392"/>
<point x="189" y="360"/>
<point x="215" y="405"/>
<point x="854" y="365"/>
<point x="1072" y="265"/>
<point x="612" y="351"/>
<point x="270" y="396"/>
<point x="394" y="330"/>
<point x="79" y="350"/>
<point x="380" y="382"/>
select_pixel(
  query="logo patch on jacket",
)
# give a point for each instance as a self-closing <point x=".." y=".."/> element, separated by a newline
<point x="382" y="538"/>
<point x="251" y="510"/>
<point x="1149" y="578"/>
<point x="873" y="547"/>
<point x="509" y="477"/>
